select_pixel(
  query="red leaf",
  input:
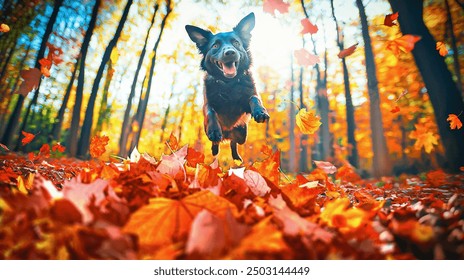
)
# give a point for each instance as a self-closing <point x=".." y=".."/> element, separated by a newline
<point x="270" y="6"/>
<point x="172" y="142"/>
<point x="308" y="27"/>
<point x="31" y="81"/>
<point x="45" y="150"/>
<point x="97" y="145"/>
<point x="28" y="137"/>
<point x="193" y="157"/>
<point x="304" y="58"/>
<point x="388" y="21"/>
<point x="349" y="51"/>
<point x="58" y="147"/>
<point x="395" y="109"/>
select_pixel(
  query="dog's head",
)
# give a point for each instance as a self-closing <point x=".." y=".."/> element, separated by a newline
<point x="224" y="54"/>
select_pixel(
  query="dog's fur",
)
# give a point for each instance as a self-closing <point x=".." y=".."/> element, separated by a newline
<point x="229" y="90"/>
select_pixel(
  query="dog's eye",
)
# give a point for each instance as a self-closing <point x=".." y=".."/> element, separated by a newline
<point x="236" y="43"/>
<point x="215" y="46"/>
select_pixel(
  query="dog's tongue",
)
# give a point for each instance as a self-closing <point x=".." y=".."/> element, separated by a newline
<point x="229" y="69"/>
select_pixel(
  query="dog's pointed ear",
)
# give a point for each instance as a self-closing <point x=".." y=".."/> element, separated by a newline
<point x="245" y="26"/>
<point x="199" y="36"/>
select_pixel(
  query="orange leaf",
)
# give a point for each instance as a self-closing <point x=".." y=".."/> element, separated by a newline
<point x="388" y="21"/>
<point x="173" y="143"/>
<point x="405" y="44"/>
<point x="304" y="58"/>
<point x="308" y="122"/>
<point x="441" y="48"/>
<point x="326" y="166"/>
<point x="46" y="64"/>
<point x="164" y="220"/>
<point x="349" y="51"/>
<point x="270" y="6"/>
<point x="28" y="137"/>
<point x="269" y="168"/>
<point x="455" y="122"/>
<point x="97" y="145"/>
<point x="338" y="213"/>
<point x="45" y="150"/>
<point x="4" y="28"/>
<point x="31" y="81"/>
<point x="424" y="139"/>
<point x="308" y="27"/>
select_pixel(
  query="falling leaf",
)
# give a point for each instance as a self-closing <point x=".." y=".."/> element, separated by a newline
<point x="441" y="48"/>
<point x="390" y="18"/>
<point x="326" y="166"/>
<point x="455" y="122"/>
<point x="270" y="6"/>
<point x="28" y="137"/>
<point x="395" y="109"/>
<point x="304" y="58"/>
<point x="165" y="220"/>
<point x="307" y="121"/>
<point x="31" y="79"/>
<point x="46" y="64"/>
<point x="97" y="145"/>
<point x="405" y="44"/>
<point x="57" y="147"/>
<point x="3" y="146"/>
<point x="424" y="138"/>
<point x="308" y="27"/>
<point x="4" y="28"/>
<point x="347" y="52"/>
<point x="45" y="150"/>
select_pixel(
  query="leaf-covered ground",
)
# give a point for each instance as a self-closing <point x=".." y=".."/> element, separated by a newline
<point x="179" y="207"/>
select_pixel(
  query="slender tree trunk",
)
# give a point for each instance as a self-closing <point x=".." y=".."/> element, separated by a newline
<point x="292" y="113"/>
<point x="48" y="31"/>
<point x="126" y="121"/>
<point x="103" y="111"/>
<point x="76" y="116"/>
<point x="142" y="106"/>
<point x="303" y="162"/>
<point x="454" y="47"/>
<point x="381" y="161"/>
<point x="443" y="92"/>
<point x="353" y="155"/>
<point x="84" y="139"/>
<point x="166" y="115"/>
<point x="7" y="60"/>
<point x="56" y="130"/>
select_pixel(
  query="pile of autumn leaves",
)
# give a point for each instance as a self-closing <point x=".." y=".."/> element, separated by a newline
<point x="179" y="207"/>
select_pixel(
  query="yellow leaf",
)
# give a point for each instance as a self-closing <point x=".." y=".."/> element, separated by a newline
<point x="114" y="56"/>
<point x="308" y="122"/>
<point x="455" y="122"/>
<point x="424" y="139"/>
<point x="339" y="214"/>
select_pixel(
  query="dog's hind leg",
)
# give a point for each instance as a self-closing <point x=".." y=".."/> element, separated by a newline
<point x="215" y="148"/>
<point x="238" y="136"/>
<point x="233" y="148"/>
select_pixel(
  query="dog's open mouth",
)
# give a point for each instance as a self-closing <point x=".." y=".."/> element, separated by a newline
<point x="229" y="69"/>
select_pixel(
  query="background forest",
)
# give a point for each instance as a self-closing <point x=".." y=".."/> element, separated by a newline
<point x="70" y="70"/>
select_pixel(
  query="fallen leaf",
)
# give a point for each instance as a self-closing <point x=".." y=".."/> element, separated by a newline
<point x="455" y="122"/>
<point x="307" y="121"/>
<point x="347" y="52"/>
<point x="308" y="27"/>
<point x="339" y="214"/>
<point x="390" y="18"/>
<point x="326" y="166"/>
<point x="256" y="183"/>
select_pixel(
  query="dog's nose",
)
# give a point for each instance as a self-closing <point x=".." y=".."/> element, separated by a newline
<point x="229" y="53"/>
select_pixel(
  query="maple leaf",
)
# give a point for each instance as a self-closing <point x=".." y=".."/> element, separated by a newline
<point x="173" y="164"/>
<point x="58" y="147"/>
<point x="302" y="192"/>
<point x="424" y="138"/>
<point x="388" y="21"/>
<point x="349" y="51"/>
<point x="308" y="27"/>
<point x="304" y="58"/>
<point x="326" y="166"/>
<point x="46" y="64"/>
<point x="338" y="214"/>
<point x="455" y="122"/>
<point x="97" y="145"/>
<point x="31" y="79"/>
<point x="172" y="142"/>
<point x="45" y="150"/>
<point x="405" y="44"/>
<point x="307" y="121"/>
<point x="270" y="6"/>
<point x="194" y="157"/>
<point x="4" y="28"/>
<point x="28" y="137"/>
<point x="164" y="220"/>
<point x="395" y="109"/>
<point x="441" y="48"/>
<point x="269" y="168"/>
<point x="256" y="183"/>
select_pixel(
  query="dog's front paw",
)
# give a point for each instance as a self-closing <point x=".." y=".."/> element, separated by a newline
<point x="214" y="134"/>
<point x="260" y="114"/>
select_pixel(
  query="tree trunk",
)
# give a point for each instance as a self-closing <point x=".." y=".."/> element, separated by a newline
<point x="56" y="130"/>
<point x="291" y="120"/>
<point x="103" y="112"/>
<point x="443" y="92"/>
<point x="454" y="47"/>
<point x="142" y="106"/>
<point x="351" y="125"/>
<point x="381" y="161"/>
<point x="303" y="162"/>
<point x="84" y="139"/>
<point x="125" y="124"/>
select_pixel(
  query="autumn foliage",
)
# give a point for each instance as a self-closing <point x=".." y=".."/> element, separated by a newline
<point x="181" y="207"/>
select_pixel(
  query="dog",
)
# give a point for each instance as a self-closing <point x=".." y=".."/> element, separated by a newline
<point x="230" y="96"/>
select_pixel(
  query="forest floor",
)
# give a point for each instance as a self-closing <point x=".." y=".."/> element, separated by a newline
<point x="179" y="207"/>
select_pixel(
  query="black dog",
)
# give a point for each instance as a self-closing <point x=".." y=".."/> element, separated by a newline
<point x="229" y="90"/>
